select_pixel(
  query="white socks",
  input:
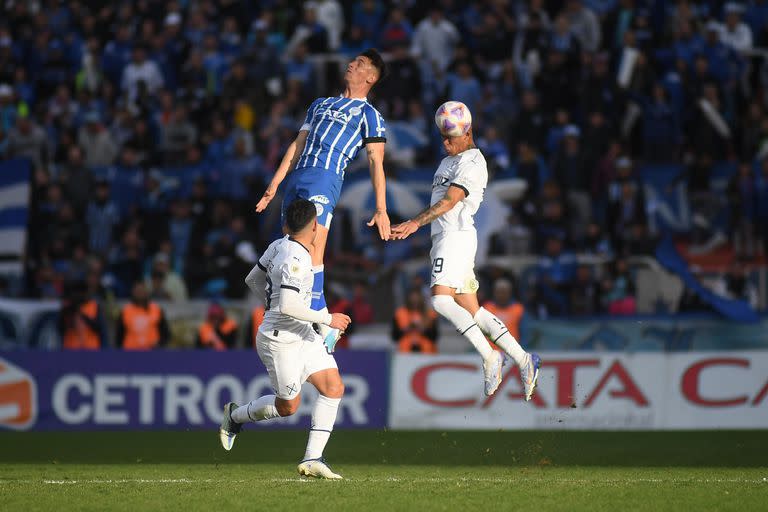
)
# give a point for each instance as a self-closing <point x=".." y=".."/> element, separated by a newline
<point x="464" y="323"/>
<point x="323" y="418"/>
<point x="499" y="334"/>
<point x="263" y="408"/>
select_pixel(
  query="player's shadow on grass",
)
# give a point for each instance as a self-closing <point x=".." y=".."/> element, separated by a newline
<point x="512" y="448"/>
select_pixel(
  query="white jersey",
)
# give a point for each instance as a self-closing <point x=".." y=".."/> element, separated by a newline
<point x="288" y="266"/>
<point x="468" y="171"/>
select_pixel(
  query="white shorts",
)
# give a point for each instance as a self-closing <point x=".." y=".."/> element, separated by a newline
<point x="290" y="363"/>
<point x="453" y="260"/>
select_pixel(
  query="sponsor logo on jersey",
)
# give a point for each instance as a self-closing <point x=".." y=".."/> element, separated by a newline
<point x="18" y="397"/>
<point x="440" y="181"/>
<point x="335" y="115"/>
<point x="320" y="199"/>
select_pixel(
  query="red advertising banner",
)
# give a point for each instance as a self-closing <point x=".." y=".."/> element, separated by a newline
<point x="603" y="391"/>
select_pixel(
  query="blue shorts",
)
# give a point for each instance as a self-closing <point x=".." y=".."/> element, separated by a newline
<point x="318" y="185"/>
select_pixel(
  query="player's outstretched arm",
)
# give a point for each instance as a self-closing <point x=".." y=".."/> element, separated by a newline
<point x="452" y="196"/>
<point x="380" y="218"/>
<point x="291" y="305"/>
<point x="287" y="164"/>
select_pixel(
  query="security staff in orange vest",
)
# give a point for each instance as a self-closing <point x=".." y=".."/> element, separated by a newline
<point x="508" y="311"/>
<point x="414" y="327"/>
<point x="257" y="316"/>
<point x="81" y="324"/>
<point x="218" y="332"/>
<point x="142" y="324"/>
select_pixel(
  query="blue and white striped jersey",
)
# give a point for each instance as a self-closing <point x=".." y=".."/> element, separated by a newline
<point x="338" y="127"/>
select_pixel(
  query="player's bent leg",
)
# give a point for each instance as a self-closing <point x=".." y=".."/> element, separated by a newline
<point x="443" y="301"/>
<point x="328" y="382"/>
<point x="263" y="408"/>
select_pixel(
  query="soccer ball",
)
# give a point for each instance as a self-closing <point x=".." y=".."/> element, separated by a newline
<point x="453" y="119"/>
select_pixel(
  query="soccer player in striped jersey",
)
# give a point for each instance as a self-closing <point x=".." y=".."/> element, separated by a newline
<point x="313" y="166"/>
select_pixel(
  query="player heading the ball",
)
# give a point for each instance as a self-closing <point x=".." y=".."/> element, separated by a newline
<point x="457" y="191"/>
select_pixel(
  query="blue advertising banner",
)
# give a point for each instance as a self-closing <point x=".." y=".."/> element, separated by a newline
<point x="112" y="390"/>
<point x="647" y="334"/>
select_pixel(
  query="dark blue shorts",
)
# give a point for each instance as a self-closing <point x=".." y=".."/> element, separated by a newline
<point x="321" y="186"/>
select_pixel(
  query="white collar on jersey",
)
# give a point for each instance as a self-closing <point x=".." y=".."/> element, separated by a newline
<point x="365" y="99"/>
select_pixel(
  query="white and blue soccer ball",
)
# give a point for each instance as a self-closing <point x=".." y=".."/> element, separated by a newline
<point x="453" y="119"/>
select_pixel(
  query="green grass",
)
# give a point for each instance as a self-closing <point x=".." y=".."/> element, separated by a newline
<point x="387" y="471"/>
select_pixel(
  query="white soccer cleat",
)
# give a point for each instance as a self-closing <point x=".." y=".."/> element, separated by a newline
<point x="229" y="428"/>
<point x="492" y="372"/>
<point x="529" y="374"/>
<point x="317" y="468"/>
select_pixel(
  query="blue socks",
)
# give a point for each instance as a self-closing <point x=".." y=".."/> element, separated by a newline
<point x="318" y="297"/>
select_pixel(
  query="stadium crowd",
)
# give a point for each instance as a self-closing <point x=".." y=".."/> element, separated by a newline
<point x="192" y="103"/>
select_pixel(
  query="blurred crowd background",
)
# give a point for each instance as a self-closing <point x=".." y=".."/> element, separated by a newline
<point x="153" y="126"/>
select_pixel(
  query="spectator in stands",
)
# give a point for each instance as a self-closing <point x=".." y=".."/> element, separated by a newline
<point x="28" y="140"/>
<point x="618" y="288"/>
<point x="96" y="141"/>
<point x="142" y="324"/>
<point x="127" y="261"/>
<point x="163" y="283"/>
<point x="585" y="294"/>
<point x="361" y="310"/>
<point x="735" y="284"/>
<point x="734" y="33"/>
<point x="177" y="136"/>
<point x="81" y="320"/>
<point x="434" y="42"/>
<point x="255" y="318"/>
<point x="508" y="310"/>
<point x="76" y="179"/>
<point x="569" y="168"/>
<point x="102" y="216"/>
<point x="555" y="273"/>
<point x="494" y="149"/>
<point x="141" y="70"/>
<point x="584" y="24"/>
<point x="742" y="196"/>
<point x="414" y="326"/>
<point x="218" y="332"/>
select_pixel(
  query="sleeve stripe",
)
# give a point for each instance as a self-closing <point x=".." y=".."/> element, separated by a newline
<point x="262" y="267"/>
<point x="287" y="287"/>
<point x="369" y="140"/>
<point x="462" y="187"/>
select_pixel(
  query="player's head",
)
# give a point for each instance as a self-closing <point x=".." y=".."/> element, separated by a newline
<point x="365" y="70"/>
<point x="301" y="217"/>
<point x="454" y="121"/>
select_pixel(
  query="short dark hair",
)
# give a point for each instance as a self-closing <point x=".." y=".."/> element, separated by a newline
<point x="299" y="214"/>
<point x="377" y="61"/>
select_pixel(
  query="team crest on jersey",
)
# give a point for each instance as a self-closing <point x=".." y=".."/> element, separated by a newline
<point x="355" y="111"/>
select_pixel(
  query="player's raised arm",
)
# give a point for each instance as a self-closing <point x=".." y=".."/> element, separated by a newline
<point x="287" y="164"/>
<point x="453" y="195"/>
<point x="380" y="218"/>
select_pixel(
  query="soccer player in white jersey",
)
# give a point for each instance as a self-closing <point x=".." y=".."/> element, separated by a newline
<point x="333" y="131"/>
<point x="287" y="344"/>
<point x="457" y="191"/>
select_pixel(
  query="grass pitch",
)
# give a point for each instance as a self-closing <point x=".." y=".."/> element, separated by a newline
<point x="386" y="470"/>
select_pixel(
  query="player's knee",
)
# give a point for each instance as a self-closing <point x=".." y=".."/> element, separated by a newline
<point x="334" y="389"/>
<point x="287" y="407"/>
<point x="442" y="304"/>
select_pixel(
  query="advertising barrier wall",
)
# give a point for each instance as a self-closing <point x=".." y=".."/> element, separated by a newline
<point x="589" y="391"/>
<point x="166" y="390"/>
